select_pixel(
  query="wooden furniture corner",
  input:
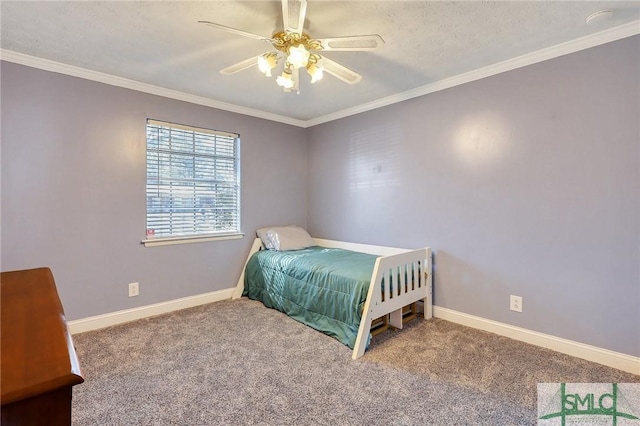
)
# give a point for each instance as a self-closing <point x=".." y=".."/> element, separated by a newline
<point x="39" y="365"/>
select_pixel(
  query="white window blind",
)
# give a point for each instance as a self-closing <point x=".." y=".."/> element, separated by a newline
<point x="193" y="181"/>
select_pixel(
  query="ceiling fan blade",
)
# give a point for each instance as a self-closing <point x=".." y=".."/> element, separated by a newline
<point x="293" y="13"/>
<point x="295" y="77"/>
<point x="235" y="31"/>
<point x="240" y="66"/>
<point x="339" y="71"/>
<point x="352" y="43"/>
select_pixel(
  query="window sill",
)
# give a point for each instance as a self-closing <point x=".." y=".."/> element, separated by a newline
<point x="166" y="241"/>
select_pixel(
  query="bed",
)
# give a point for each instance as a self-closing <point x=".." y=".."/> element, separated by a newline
<point x="339" y="288"/>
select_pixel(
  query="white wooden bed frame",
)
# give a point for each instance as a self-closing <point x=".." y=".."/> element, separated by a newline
<point x="391" y="264"/>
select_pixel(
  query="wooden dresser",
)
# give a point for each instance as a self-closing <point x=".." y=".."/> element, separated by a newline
<point x="39" y="362"/>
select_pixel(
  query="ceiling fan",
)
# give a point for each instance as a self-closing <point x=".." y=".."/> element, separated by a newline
<point x="299" y="50"/>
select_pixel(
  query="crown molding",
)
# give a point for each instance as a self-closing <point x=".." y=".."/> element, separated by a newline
<point x="623" y="31"/>
<point x="586" y="42"/>
<point x="58" y="67"/>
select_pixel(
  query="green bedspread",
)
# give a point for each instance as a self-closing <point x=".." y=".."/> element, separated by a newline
<point x="323" y="288"/>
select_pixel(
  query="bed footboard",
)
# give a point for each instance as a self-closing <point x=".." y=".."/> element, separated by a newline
<point x="397" y="280"/>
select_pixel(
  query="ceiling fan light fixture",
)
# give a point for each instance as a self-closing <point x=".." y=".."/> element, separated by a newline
<point x="299" y="50"/>
<point x="315" y="72"/>
<point x="298" y="56"/>
<point x="285" y="79"/>
<point x="267" y="62"/>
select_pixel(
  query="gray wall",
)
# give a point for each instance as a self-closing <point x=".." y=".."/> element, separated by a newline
<point x="525" y="183"/>
<point x="73" y="185"/>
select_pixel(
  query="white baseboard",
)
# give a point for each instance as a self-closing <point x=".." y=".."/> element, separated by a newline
<point x="119" y="317"/>
<point x="606" y="357"/>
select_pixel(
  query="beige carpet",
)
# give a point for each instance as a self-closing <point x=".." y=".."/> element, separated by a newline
<point x="237" y="362"/>
<point x="450" y="353"/>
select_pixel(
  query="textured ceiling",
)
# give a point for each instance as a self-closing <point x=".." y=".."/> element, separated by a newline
<point x="161" y="43"/>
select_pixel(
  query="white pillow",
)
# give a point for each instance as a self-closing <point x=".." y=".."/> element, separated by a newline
<point x="283" y="238"/>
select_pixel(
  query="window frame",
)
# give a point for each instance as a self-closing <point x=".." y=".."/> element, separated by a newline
<point x="152" y="241"/>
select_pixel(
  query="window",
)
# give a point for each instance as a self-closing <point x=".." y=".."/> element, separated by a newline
<point x="193" y="184"/>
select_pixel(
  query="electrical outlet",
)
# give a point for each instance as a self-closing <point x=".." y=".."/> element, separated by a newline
<point x="516" y="303"/>
<point x="133" y="289"/>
